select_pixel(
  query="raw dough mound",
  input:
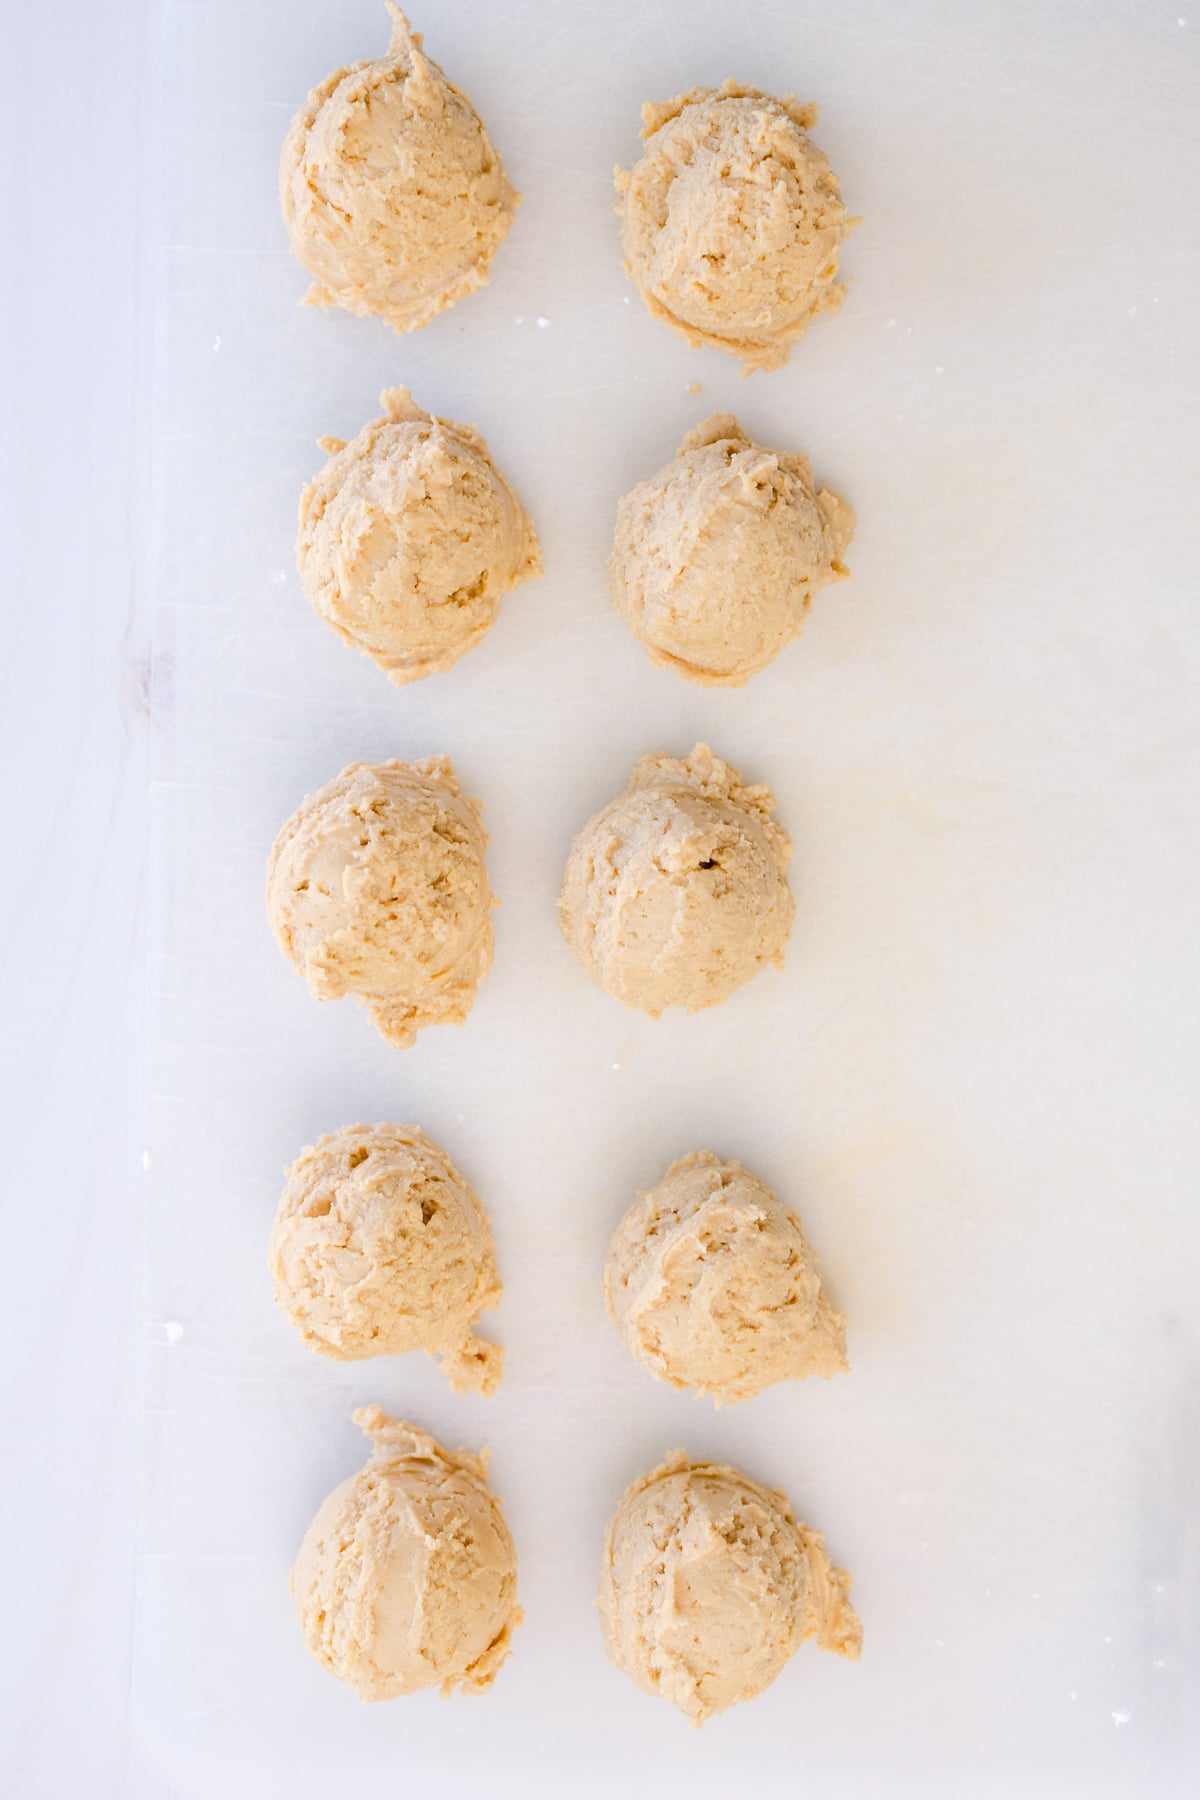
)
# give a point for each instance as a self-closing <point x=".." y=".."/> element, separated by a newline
<point x="377" y="887"/>
<point x="716" y="557"/>
<point x="407" y="1577"/>
<point x="709" y="1584"/>
<point x="380" y="1247"/>
<point x="409" y="538"/>
<point x="675" y="895"/>
<point x="732" y="221"/>
<point x="393" y="198"/>
<point x="712" y="1285"/>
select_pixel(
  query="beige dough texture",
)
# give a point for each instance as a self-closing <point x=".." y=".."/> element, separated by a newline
<point x="409" y="538"/>
<point x="712" y="1285"/>
<point x="732" y="221"/>
<point x="377" y="887"/>
<point x="407" y="1577"/>
<point x="676" y="894"/>
<point x="715" y="558"/>
<point x="709" y="1584"/>
<point x="380" y="1247"/>
<point x="393" y="197"/>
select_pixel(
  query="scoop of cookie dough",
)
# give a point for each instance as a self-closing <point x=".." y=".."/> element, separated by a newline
<point x="715" y="558"/>
<point x="380" y="1247"/>
<point x="675" y="894"/>
<point x="711" y="1284"/>
<point x="377" y="887"/>
<point x="410" y="537"/>
<point x="732" y="221"/>
<point x="407" y="1577"/>
<point x="709" y="1584"/>
<point x="393" y="197"/>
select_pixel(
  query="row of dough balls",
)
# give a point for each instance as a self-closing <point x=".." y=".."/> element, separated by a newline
<point x="675" y="894"/>
<point x="732" y="222"/>
<point x="410" y="537"/>
<point x="380" y="1247"/>
<point x="407" y="1578"/>
<point x="395" y="202"/>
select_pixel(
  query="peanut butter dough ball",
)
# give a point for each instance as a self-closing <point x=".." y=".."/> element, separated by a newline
<point x="380" y="1247"/>
<point x="377" y="887"/>
<point x="715" y="558"/>
<point x="732" y="221"/>
<point x="407" y="1577"/>
<point x="393" y="197"/>
<point x="409" y="538"/>
<point x="709" y="1584"/>
<point x="676" y="893"/>
<point x="712" y="1285"/>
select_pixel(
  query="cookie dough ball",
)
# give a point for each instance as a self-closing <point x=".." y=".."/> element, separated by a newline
<point x="410" y="537"/>
<point x="393" y="198"/>
<point x="377" y="887"/>
<point x="711" y="1284"/>
<point x="716" y="557"/>
<point x="380" y="1247"/>
<point x="732" y="221"/>
<point x="709" y="1584"/>
<point x="407" y="1577"/>
<point x="675" y="895"/>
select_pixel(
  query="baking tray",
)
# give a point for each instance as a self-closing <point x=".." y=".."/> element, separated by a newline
<point x="968" y="1078"/>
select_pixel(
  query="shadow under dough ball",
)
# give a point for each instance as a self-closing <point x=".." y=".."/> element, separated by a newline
<point x="676" y="893"/>
<point x="709" y="1584"/>
<point x="393" y="197"/>
<point x="380" y="1247"/>
<point x="409" y="539"/>
<point x="712" y="1286"/>
<point x="377" y="887"/>
<point x="732" y="221"/>
<point x="716" y="557"/>
<point x="407" y="1577"/>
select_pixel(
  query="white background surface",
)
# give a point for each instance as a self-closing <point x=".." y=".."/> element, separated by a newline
<point x="74" y="701"/>
<point x="973" y="1076"/>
